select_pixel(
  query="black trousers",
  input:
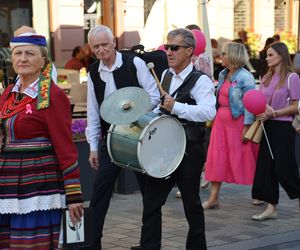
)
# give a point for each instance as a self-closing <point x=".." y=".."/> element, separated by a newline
<point x="103" y="187"/>
<point x="282" y="170"/>
<point x="156" y="192"/>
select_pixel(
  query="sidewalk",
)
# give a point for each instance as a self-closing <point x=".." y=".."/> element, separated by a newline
<point x="227" y="228"/>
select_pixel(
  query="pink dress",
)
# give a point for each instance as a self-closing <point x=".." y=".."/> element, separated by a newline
<point x="228" y="159"/>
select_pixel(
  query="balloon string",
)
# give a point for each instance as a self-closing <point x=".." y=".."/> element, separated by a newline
<point x="262" y="124"/>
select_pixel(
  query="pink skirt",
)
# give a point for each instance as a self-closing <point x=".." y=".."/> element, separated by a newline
<point x="228" y="159"/>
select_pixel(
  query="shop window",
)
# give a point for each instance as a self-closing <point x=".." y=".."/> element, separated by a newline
<point x="13" y="14"/>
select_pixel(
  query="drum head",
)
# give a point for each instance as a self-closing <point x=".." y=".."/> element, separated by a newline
<point x="161" y="146"/>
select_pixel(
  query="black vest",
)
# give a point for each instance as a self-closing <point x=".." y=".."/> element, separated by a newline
<point x="195" y="131"/>
<point x="125" y="76"/>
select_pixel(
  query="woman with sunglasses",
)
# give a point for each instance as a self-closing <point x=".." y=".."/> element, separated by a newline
<point x="230" y="157"/>
<point x="281" y="88"/>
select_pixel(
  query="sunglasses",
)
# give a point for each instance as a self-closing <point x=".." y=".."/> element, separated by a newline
<point x="174" y="47"/>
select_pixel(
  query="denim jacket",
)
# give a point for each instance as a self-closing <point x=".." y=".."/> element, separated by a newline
<point x="241" y="81"/>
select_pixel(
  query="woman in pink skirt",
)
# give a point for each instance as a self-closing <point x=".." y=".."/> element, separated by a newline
<point x="231" y="158"/>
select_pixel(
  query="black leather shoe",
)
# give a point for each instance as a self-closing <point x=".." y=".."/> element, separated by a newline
<point x="91" y="247"/>
<point x="138" y="247"/>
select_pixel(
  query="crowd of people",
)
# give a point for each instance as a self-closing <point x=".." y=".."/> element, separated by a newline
<point x="39" y="173"/>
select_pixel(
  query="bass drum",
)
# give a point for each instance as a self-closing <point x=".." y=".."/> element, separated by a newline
<point x="154" y="145"/>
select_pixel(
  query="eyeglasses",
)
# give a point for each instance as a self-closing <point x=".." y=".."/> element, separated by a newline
<point x="174" y="47"/>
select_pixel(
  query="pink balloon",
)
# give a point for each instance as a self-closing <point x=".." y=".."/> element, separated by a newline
<point x="200" y="42"/>
<point x="255" y="101"/>
<point x="161" y="47"/>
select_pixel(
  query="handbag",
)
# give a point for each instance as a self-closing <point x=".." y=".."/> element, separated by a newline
<point x="296" y="122"/>
<point x="255" y="132"/>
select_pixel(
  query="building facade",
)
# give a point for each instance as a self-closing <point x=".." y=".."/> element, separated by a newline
<point x="65" y="23"/>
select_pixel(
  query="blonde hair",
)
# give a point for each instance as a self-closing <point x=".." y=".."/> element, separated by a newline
<point x="236" y="54"/>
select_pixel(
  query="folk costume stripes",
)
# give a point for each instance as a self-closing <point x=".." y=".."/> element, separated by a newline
<point x="39" y="173"/>
<point x="42" y="230"/>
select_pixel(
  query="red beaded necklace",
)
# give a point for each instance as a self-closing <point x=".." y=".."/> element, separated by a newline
<point x="13" y="106"/>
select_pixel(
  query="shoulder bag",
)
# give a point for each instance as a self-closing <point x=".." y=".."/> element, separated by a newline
<point x="296" y="120"/>
<point x="255" y="132"/>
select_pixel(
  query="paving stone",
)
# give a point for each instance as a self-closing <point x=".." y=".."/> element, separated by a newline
<point x="228" y="228"/>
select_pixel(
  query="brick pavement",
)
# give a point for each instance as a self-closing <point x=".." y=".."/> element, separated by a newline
<point x="229" y="227"/>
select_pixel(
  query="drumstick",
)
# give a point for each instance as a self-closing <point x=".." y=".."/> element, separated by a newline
<point x="271" y="153"/>
<point x="150" y="66"/>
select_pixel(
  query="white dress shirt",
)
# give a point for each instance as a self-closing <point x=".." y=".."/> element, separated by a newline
<point x="146" y="81"/>
<point x="202" y="93"/>
<point x="31" y="90"/>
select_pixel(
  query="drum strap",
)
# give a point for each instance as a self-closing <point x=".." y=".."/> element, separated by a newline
<point x="195" y="131"/>
<point x="167" y="81"/>
<point x="183" y="91"/>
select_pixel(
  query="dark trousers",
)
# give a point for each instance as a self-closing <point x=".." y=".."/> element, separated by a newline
<point x="103" y="187"/>
<point x="282" y="170"/>
<point x="156" y="192"/>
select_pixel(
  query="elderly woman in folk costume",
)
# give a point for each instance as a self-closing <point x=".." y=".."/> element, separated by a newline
<point x="39" y="174"/>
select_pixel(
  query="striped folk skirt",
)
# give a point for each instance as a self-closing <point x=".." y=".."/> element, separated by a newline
<point x="37" y="230"/>
<point x="31" y="198"/>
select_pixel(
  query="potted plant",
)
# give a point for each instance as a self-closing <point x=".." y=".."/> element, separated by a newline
<point x="78" y="129"/>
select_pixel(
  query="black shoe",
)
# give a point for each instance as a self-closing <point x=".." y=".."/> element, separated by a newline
<point x="91" y="247"/>
<point x="138" y="247"/>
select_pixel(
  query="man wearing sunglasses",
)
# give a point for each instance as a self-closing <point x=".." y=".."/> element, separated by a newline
<point x="189" y="96"/>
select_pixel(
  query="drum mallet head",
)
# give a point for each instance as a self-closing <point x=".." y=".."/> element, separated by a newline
<point x="150" y="66"/>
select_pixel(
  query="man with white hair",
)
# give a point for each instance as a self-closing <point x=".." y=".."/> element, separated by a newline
<point x="113" y="71"/>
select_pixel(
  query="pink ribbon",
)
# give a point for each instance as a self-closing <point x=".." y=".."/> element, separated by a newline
<point x="28" y="109"/>
<point x="233" y="84"/>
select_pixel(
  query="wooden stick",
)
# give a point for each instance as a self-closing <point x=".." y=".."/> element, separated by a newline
<point x="151" y="68"/>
